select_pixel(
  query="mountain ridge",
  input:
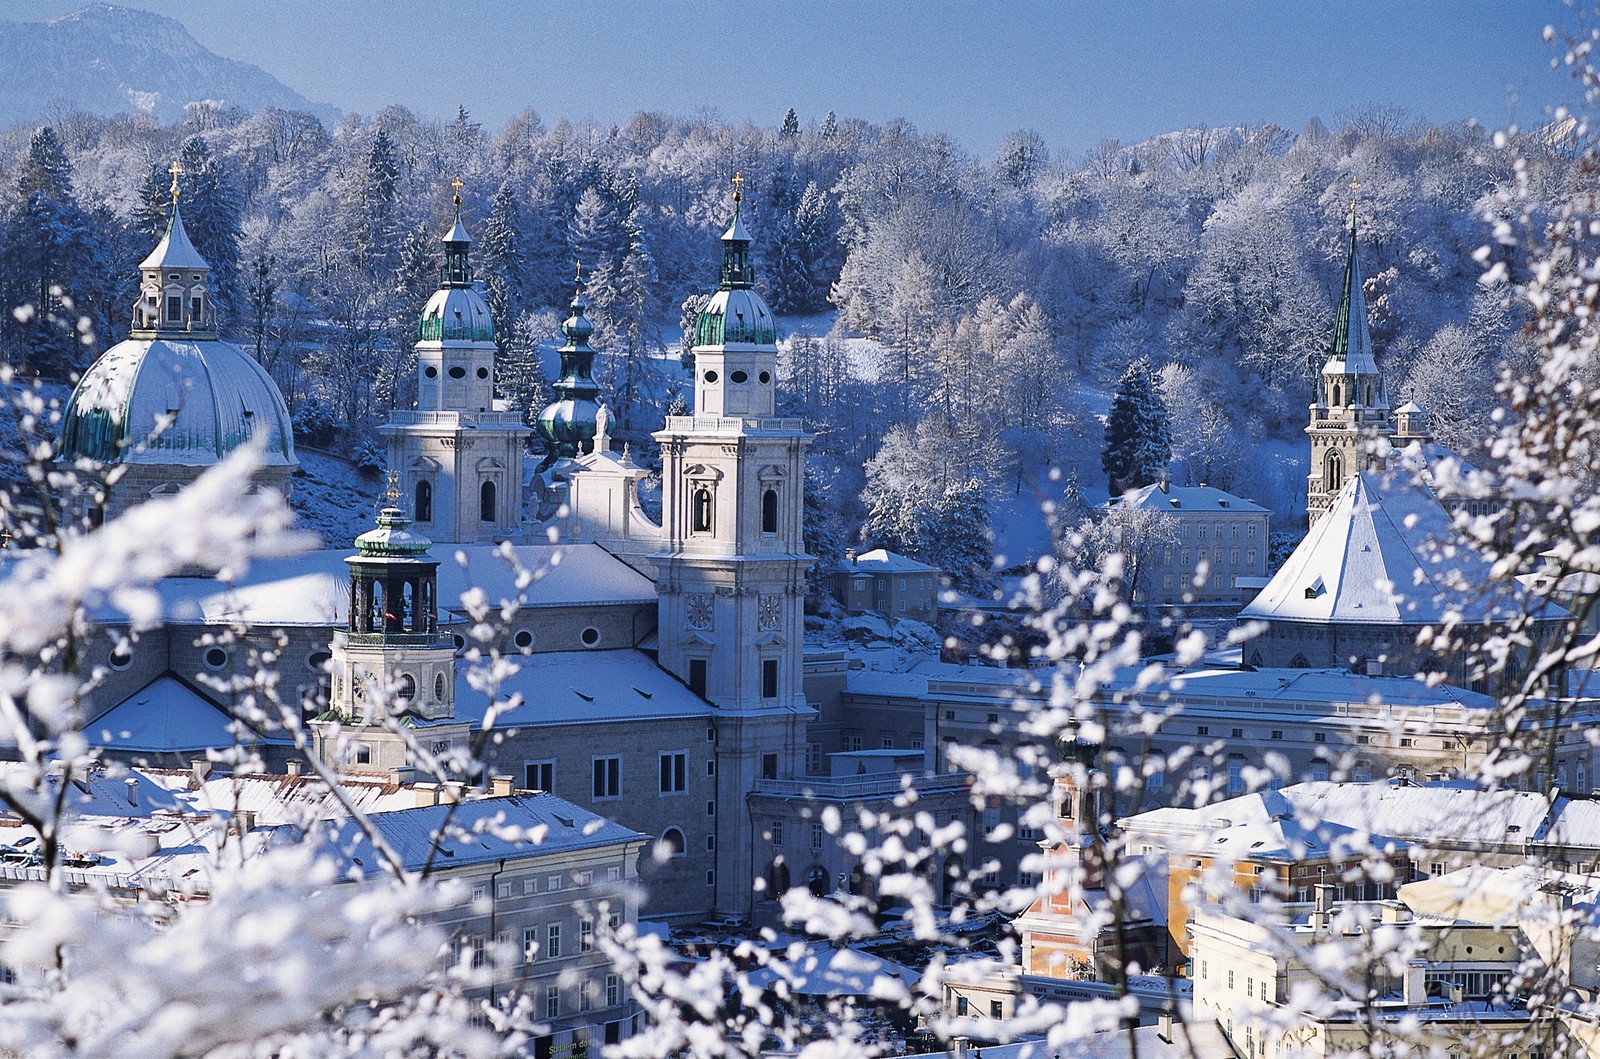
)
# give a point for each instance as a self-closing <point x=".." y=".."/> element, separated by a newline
<point x="108" y="59"/>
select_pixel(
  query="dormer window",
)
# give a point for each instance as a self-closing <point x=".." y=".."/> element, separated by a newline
<point x="174" y="308"/>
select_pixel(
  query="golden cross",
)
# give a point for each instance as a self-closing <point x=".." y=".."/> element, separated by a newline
<point x="176" y="170"/>
<point x="393" y="495"/>
<point x="738" y="186"/>
<point x="458" y="184"/>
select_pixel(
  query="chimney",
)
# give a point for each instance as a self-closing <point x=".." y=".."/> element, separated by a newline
<point x="958" y="1048"/>
<point x="200" y="768"/>
<point x="133" y="790"/>
<point x="1322" y="912"/>
<point x="243" y="822"/>
<point x="400" y="775"/>
<point x="1164" y="1026"/>
<point x="427" y="794"/>
<point x="292" y="769"/>
<point x="500" y="786"/>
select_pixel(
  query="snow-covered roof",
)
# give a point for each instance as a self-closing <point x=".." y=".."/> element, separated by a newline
<point x="564" y="687"/>
<point x="277" y="799"/>
<point x="823" y="970"/>
<point x="457" y="314"/>
<point x="1264" y="826"/>
<point x="1388" y="553"/>
<point x="166" y="716"/>
<point x="883" y="561"/>
<point x="1455" y="815"/>
<point x="175" y="251"/>
<point x="1175" y="499"/>
<point x="314" y="588"/>
<point x="476" y="832"/>
<point x="217" y="395"/>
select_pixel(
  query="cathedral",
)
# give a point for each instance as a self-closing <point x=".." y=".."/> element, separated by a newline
<point x="657" y="673"/>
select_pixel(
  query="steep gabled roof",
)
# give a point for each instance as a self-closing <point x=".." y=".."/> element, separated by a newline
<point x="1387" y="553"/>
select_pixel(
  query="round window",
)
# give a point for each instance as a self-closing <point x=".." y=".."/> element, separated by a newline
<point x="590" y="636"/>
<point x="711" y="376"/>
<point x="122" y="656"/>
<point x="765" y="377"/>
<point x="216" y="658"/>
<point x="318" y="660"/>
<point x="458" y="372"/>
<point x="739" y="376"/>
<point x="523" y="639"/>
<point x="483" y="373"/>
<point x="431" y="372"/>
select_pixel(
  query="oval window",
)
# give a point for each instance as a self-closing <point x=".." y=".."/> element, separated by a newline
<point x="523" y="639"/>
<point x="458" y="372"/>
<point x="431" y="372"/>
<point x="765" y="377"/>
<point x="739" y="376"/>
<point x="711" y="376"/>
<point x="122" y="656"/>
<point x="216" y="658"/>
<point x="438" y="687"/>
<point x="590" y="636"/>
<point x="483" y="373"/>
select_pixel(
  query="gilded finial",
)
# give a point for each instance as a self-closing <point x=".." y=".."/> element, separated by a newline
<point x="577" y="276"/>
<point x="458" y="184"/>
<point x="393" y="494"/>
<point x="1355" y="185"/>
<point x="738" y="187"/>
<point x="176" y="170"/>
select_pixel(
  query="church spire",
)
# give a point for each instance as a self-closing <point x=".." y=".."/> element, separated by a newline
<point x="569" y="422"/>
<point x="172" y="291"/>
<point x="1352" y="339"/>
<point x="457" y="269"/>
<point x="736" y="270"/>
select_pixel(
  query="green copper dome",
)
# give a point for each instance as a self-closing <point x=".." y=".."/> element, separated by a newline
<point x="569" y="423"/>
<point x="736" y="314"/>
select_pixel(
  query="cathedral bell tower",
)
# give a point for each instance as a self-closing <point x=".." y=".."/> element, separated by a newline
<point x="391" y="658"/>
<point x="458" y="455"/>
<point x="731" y="572"/>
<point x="1351" y="413"/>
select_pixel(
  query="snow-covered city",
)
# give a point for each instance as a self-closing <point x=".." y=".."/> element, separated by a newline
<point x="687" y="576"/>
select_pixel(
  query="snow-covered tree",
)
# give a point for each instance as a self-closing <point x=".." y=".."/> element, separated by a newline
<point x="1138" y="437"/>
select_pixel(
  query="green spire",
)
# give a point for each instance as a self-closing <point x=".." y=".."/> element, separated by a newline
<point x="457" y="269"/>
<point x="568" y="423"/>
<point x="1352" y="342"/>
<point x="736" y="270"/>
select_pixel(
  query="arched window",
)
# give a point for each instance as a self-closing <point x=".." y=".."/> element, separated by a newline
<point x="424" y="501"/>
<point x="700" y="511"/>
<point x="1338" y="395"/>
<point x="486" y="502"/>
<point x="817" y="881"/>
<point x="408" y="687"/>
<point x="769" y="510"/>
<point x="671" y="844"/>
<point x="777" y="880"/>
<point x="1333" y="472"/>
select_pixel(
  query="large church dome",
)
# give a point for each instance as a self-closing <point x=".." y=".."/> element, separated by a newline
<point x="216" y="394"/>
<point x="174" y="394"/>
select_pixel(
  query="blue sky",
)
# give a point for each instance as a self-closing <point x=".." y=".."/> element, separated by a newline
<point x="1076" y="72"/>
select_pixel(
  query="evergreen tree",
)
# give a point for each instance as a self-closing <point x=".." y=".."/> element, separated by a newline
<point x="500" y="264"/>
<point x="1138" y="439"/>
<point x="154" y="204"/>
<point x="829" y="127"/>
<point x="55" y="273"/>
<point x="211" y="217"/>
<point x="261" y="294"/>
<point x="791" y="125"/>
<point x="688" y="316"/>
<point x="372" y="232"/>
<point x="520" y="378"/>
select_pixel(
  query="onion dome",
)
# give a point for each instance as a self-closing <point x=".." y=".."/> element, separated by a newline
<point x="391" y="539"/>
<point x="457" y="311"/>
<point x="568" y="423"/>
<point x="736" y="314"/>
<point x="173" y="393"/>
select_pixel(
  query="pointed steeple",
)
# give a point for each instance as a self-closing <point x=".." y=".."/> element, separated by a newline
<point x="736" y="313"/>
<point x="1352" y="339"/>
<point x="736" y="270"/>
<point x="569" y="422"/>
<point x="457" y="268"/>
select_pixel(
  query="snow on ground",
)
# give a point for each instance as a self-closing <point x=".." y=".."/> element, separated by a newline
<point x="332" y="498"/>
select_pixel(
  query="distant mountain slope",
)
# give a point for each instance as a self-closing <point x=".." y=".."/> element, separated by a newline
<point x="112" y="60"/>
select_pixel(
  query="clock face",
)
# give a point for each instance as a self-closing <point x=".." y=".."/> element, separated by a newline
<point x="770" y="612"/>
<point x="699" y="610"/>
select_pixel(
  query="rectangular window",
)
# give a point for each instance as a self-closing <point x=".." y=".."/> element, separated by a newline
<point x="530" y="885"/>
<point x="1277" y="733"/>
<point x="613" y="990"/>
<point x="552" y="883"/>
<point x="1202" y="729"/>
<point x="776" y="831"/>
<point x="552" y="942"/>
<point x="769" y="678"/>
<point x="530" y="944"/>
<point x="816" y="836"/>
<point x="174" y="308"/>
<point x="697" y="676"/>
<point x="769" y="766"/>
<point x="852" y="743"/>
<point x="585" y="934"/>
<point x="674" y="772"/>
<point x="1320" y="737"/>
<point x="813" y="757"/>
<point x="886" y="743"/>
<point x="539" y="775"/>
<point x="552" y="1002"/>
<point x="608" y="777"/>
<point x="711" y="808"/>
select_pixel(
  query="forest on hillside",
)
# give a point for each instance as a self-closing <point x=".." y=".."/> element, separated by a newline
<point x="1002" y="296"/>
